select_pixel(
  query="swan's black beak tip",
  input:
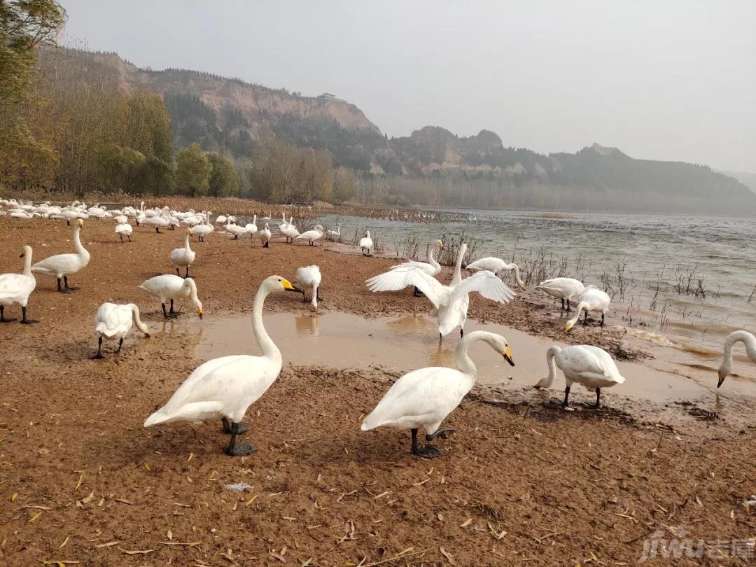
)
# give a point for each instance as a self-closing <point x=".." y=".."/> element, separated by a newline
<point x="509" y="360"/>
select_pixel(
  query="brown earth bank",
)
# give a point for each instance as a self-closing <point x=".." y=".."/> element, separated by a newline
<point x="82" y="481"/>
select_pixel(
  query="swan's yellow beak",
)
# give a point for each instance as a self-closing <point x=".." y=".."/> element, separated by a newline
<point x="81" y="222"/>
<point x="569" y="326"/>
<point x="199" y="313"/>
<point x="507" y="354"/>
<point x="286" y="284"/>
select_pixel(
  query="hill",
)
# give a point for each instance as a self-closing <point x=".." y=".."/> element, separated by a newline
<point x="430" y="166"/>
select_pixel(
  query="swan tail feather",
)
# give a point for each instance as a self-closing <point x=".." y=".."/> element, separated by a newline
<point x="197" y="411"/>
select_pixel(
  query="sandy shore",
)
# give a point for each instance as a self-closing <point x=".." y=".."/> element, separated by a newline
<point x="519" y="482"/>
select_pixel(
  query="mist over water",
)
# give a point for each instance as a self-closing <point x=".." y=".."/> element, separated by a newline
<point x="688" y="277"/>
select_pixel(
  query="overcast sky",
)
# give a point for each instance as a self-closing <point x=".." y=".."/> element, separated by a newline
<point x="661" y="79"/>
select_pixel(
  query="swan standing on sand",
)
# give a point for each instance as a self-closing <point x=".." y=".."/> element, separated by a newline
<point x="565" y="289"/>
<point x="748" y="340"/>
<point x="62" y="265"/>
<point x="114" y="321"/>
<point x="288" y="229"/>
<point x="183" y="257"/>
<point x="124" y="229"/>
<point x="312" y="236"/>
<point x="366" y="244"/>
<point x="202" y="230"/>
<point x="265" y="236"/>
<point x="225" y="387"/>
<point x="308" y="277"/>
<point x="588" y="365"/>
<point x="169" y="287"/>
<point x="335" y="234"/>
<point x="425" y="397"/>
<point x="16" y="288"/>
<point x="251" y="229"/>
<point x="496" y="265"/>
<point x="592" y="299"/>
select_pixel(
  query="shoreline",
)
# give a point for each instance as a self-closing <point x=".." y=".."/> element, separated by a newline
<point x="79" y="471"/>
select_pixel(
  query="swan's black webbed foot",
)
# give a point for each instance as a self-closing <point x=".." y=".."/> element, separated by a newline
<point x="598" y="398"/>
<point x="238" y="449"/>
<point x="227" y="429"/>
<point x="442" y="433"/>
<point x="426" y="451"/>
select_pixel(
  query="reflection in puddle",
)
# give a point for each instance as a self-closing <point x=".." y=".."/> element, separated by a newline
<point x="344" y="340"/>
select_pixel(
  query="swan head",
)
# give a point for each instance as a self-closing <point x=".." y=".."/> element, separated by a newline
<point x="27" y="252"/>
<point x="569" y="325"/>
<point x="278" y="283"/>
<point x="438" y="244"/>
<point x="496" y="341"/>
<point x="80" y="223"/>
<point x="724" y="370"/>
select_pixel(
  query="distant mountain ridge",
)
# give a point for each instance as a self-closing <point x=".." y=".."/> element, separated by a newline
<point x="233" y="116"/>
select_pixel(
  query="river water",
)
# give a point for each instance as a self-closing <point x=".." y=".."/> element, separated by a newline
<point x="689" y="279"/>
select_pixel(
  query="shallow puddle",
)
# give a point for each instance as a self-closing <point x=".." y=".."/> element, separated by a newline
<point x="344" y="340"/>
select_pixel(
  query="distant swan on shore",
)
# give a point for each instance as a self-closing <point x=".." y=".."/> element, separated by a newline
<point x="496" y="265"/>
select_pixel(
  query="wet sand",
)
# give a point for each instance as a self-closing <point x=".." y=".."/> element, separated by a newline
<point x="520" y="481"/>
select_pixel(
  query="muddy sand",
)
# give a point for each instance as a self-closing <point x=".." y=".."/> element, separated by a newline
<point x="521" y="481"/>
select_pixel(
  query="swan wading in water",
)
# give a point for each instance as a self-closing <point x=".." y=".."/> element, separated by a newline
<point x="225" y="387"/>
<point x="588" y="365"/>
<point x="63" y="265"/>
<point x="308" y="277"/>
<point x="16" y="288"/>
<point x="114" y="321"/>
<point x="564" y="289"/>
<point x="748" y="340"/>
<point x="496" y="265"/>
<point x="183" y="257"/>
<point x="169" y="287"/>
<point x="592" y="299"/>
<point x="451" y="301"/>
<point x="366" y="244"/>
<point x="425" y="397"/>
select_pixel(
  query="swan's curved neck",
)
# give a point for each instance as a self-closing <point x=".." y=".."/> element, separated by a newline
<point x="551" y="363"/>
<point x="518" y="279"/>
<point x="266" y="344"/>
<point x="27" y="264"/>
<point x="80" y="250"/>
<point x="137" y="319"/>
<point x="576" y="318"/>
<point x="186" y="243"/>
<point x="457" y="277"/>
<point x="462" y="357"/>
<point x="748" y="340"/>
<point x="432" y="258"/>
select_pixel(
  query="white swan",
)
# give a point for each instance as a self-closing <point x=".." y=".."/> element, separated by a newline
<point x="63" y="265"/>
<point x="265" y="236"/>
<point x="451" y="301"/>
<point x="425" y="397"/>
<point x="203" y="229"/>
<point x="235" y="230"/>
<point x="225" y="387"/>
<point x="169" y="287"/>
<point x="588" y="365"/>
<point x="592" y="299"/>
<point x="312" y="236"/>
<point x="308" y="277"/>
<point x="335" y="234"/>
<point x="366" y="244"/>
<point x="114" y="321"/>
<point x="288" y="229"/>
<point x="16" y="288"/>
<point x="183" y="257"/>
<point x="431" y="267"/>
<point x="251" y="229"/>
<point x="124" y="229"/>
<point x="564" y="289"/>
<point x="496" y="265"/>
<point x="748" y="340"/>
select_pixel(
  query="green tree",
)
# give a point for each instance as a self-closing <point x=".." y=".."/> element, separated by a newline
<point x="224" y="180"/>
<point x="157" y="177"/>
<point x="192" y="171"/>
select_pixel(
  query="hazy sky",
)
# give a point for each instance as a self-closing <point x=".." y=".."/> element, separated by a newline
<point x="661" y="79"/>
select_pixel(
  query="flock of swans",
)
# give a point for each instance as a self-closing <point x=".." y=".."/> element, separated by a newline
<point x="224" y="388"/>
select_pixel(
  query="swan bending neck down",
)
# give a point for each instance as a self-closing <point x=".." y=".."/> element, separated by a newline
<point x="588" y="365"/>
<point x="113" y="320"/>
<point x="748" y="340"/>
<point x="225" y="387"/>
<point x="425" y="397"/>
